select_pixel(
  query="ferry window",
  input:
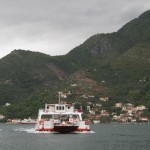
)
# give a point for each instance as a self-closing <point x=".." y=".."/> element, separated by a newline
<point x="55" y="117"/>
<point x="47" y="107"/>
<point x="62" y="107"/>
<point x="59" y="107"/>
<point x="46" y="117"/>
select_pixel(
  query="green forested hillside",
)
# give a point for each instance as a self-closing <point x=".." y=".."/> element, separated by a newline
<point x="115" y="65"/>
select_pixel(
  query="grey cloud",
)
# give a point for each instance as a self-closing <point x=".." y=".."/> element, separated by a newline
<point x="55" y="27"/>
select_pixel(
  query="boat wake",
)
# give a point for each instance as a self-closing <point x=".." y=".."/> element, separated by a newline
<point x="29" y="130"/>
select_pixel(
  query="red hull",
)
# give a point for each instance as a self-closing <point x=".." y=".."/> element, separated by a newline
<point x="65" y="129"/>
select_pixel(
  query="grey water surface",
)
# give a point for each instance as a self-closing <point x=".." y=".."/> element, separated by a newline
<point x="103" y="137"/>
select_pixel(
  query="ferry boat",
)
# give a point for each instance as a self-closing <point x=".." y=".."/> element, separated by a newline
<point x="61" y="118"/>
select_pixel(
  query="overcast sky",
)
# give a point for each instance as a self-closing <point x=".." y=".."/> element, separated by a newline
<point x="55" y="27"/>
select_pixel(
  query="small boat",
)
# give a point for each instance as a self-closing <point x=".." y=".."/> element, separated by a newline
<point x="96" y="121"/>
<point x="61" y="118"/>
<point x="28" y="121"/>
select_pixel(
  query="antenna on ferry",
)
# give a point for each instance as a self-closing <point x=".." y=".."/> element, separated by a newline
<point x="59" y="93"/>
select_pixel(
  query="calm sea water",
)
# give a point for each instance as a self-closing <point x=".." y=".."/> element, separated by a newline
<point x="102" y="137"/>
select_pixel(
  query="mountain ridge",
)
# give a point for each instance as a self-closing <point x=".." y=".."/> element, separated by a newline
<point x="113" y="65"/>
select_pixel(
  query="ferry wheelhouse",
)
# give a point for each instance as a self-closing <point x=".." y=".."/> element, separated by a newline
<point x="62" y="118"/>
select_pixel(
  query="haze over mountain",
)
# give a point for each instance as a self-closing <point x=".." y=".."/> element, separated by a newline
<point x="115" y="65"/>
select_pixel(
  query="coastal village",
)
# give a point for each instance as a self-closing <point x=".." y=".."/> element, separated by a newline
<point x="95" y="112"/>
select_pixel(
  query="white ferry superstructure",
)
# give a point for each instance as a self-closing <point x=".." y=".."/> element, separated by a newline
<point x="62" y="118"/>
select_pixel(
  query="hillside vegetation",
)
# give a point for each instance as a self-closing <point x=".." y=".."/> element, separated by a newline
<point x="114" y="65"/>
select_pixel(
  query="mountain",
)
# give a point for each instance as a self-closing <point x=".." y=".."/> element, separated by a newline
<point x="114" y="65"/>
<point x="21" y="72"/>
